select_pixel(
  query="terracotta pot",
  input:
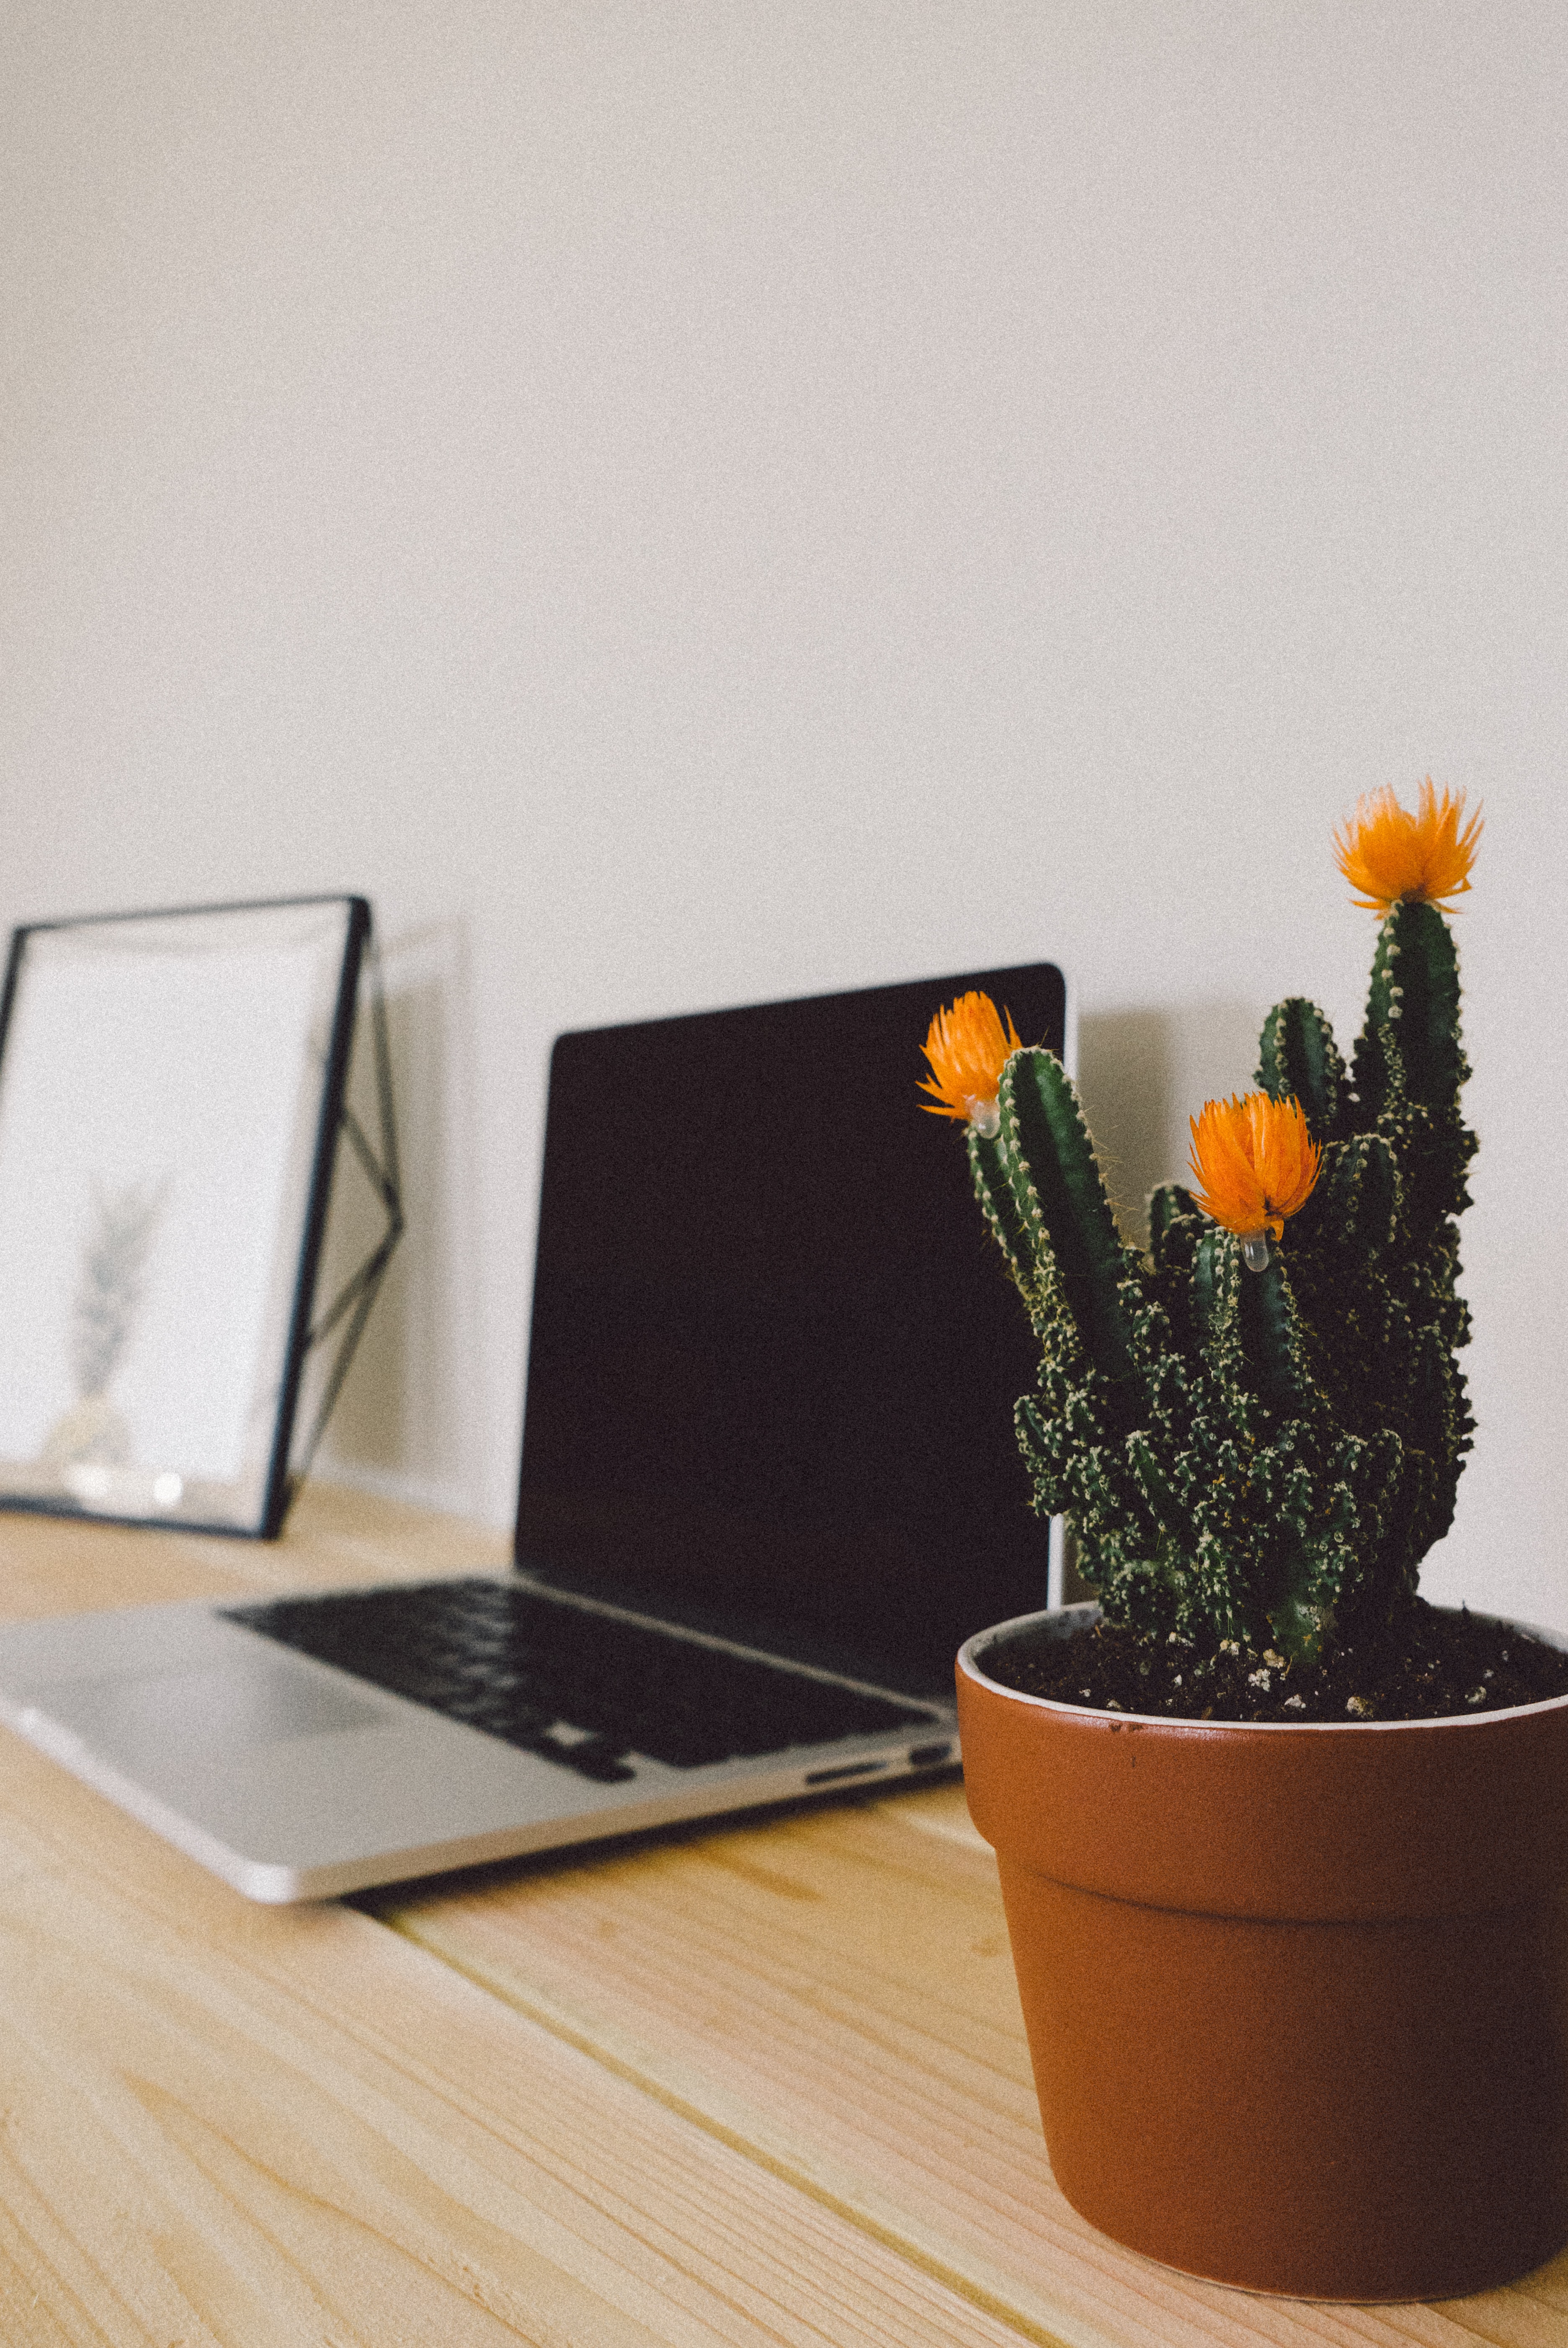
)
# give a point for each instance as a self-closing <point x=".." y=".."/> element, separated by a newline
<point x="1296" y="1997"/>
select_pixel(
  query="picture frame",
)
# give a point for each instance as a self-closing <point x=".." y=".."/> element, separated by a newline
<point x="171" y="1094"/>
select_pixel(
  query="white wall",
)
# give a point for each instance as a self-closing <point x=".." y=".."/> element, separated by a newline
<point x="687" y="503"/>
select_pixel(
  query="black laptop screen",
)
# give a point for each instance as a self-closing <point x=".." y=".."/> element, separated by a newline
<point x="775" y="1351"/>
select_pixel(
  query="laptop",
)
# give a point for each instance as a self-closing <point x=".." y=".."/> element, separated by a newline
<point x="768" y="1486"/>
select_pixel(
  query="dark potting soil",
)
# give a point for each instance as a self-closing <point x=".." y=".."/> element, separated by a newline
<point x="1437" y="1666"/>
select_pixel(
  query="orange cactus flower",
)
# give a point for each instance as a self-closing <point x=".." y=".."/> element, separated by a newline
<point x="1253" y="1163"/>
<point x="1388" y="854"/>
<point x="968" y="1047"/>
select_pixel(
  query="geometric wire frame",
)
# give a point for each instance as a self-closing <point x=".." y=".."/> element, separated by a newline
<point x="359" y="1293"/>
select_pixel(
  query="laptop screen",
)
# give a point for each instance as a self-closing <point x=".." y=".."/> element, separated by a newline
<point x="775" y="1351"/>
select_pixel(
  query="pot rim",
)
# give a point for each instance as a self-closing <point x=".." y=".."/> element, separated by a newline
<point x="1087" y="1611"/>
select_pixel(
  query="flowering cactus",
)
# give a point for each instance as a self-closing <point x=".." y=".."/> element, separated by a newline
<point x="1256" y="1429"/>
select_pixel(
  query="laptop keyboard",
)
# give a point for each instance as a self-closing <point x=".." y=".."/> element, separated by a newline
<point x="584" y="1689"/>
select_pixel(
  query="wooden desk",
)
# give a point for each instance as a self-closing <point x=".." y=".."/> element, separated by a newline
<point x="757" y="2084"/>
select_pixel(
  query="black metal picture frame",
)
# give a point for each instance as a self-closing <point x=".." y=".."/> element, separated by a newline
<point x="172" y="1093"/>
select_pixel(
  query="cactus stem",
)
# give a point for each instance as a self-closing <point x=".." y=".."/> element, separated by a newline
<point x="1266" y="1452"/>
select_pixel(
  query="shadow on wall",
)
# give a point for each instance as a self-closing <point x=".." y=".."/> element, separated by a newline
<point x="404" y="1421"/>
<point x="1142" y="1074"/>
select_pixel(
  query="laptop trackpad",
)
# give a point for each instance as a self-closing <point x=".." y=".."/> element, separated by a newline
<point x="225" y="1708"/>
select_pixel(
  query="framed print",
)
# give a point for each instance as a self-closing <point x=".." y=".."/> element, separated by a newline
<point x="171" y="1089"/>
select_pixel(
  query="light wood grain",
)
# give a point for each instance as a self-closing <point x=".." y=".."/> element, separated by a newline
<point x="223" y="2123"/>
<point x="758" y="2082"/>
<point x="242" y="2125"/>
<point x="53" y="1565"/>
<point x="833" y="1990"/>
